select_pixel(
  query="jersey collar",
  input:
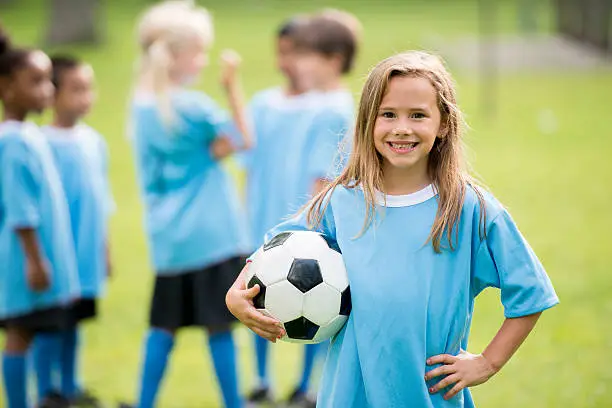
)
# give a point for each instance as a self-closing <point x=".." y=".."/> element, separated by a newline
<point x="406" y="200"/>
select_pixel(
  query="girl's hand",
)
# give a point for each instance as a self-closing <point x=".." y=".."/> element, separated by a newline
<point x="230" y="61"/>
<point x="38" y="276"/>
<point x="463" y="370"/>
<point x="239" y="301"/>
<point x="221" y="147"/>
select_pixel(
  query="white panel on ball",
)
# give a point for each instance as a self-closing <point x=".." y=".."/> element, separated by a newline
<point x="322" y="304"/>
<point x="326" y="332"/>
<point x="284" y="301"/>
<point x="273" y="265"/>
<point x="333" y="270"/>
<point x="306" y="244"/>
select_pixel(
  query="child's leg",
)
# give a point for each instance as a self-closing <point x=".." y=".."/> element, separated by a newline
<point x="223" y="352"/>
<point x="69" y="362"/>
<point x="14" y="366"/>
<point x="310" y="353"/>
<point x="158" y="346"/>
<point x="46" y="352"/>
<point x="261" y="356"/>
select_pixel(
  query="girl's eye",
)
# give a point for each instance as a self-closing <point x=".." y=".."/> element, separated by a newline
<point x="388" y="115"/>
<point x="417" y="115"/>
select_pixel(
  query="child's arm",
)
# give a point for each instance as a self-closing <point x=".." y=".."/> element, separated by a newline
<point x="231" y="83"/>
<point x="504" y="260"/>
<point x="467" y="370"/>
<point x="19" y="183"/>
<point x="36" y="269"/>
<point x="239" y="301"/>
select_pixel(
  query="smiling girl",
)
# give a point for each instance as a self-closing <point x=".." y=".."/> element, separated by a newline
<point x="420" y="241"/>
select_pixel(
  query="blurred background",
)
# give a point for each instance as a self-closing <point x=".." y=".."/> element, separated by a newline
<point x="534" y="78"/>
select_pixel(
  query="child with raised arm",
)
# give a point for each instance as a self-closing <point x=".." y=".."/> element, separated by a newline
<point x="193" y="221"/>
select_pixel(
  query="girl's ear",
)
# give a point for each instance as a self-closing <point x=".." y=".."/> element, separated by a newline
<point x="444" y="127"/>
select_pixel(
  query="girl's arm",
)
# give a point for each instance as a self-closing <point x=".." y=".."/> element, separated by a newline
<point x="36" y="270"/>
<point x="467" y="370"/>
<point x="504" y="260"/>
<point x="231" y="82"/>
<point x="508" y="339"/>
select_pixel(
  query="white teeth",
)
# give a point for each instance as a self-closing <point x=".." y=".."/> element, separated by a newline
<point x="402" y="145"/>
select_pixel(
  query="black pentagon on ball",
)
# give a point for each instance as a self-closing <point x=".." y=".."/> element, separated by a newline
<point x="260" y="300"/>
<point x="345" y="302"/>
<point x="331" y="243"/>
<point x="278" y="240"/>
<point x="301" y="329"/>
<point x="305" y="274"/>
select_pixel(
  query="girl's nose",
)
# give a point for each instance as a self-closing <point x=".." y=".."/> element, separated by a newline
<point x="402" y="128"/>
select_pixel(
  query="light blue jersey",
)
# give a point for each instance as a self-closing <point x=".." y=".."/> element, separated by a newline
<point x="31" y="196"/>
<point x="410" y="303"/>
<point x="81" y="156"/>
<point x="330" y="135"/>
<point x="192" y="212"/>
<point x="297" y="143"/>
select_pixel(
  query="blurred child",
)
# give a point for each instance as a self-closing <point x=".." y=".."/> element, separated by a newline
<point x="81" y="156"/>
<point x="38" y="278"/>
<point x="420" y="241"/>
<point x="298" y="129"/>
<point x="326" y="46"/>
<point x="280" y="118"/>
<point x="193" y="220"/>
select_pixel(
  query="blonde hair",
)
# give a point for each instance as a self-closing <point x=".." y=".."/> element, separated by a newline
<point x="162" y="30"/>
<point x="446" y="165"/>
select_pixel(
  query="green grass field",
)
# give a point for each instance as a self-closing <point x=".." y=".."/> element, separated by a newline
<point x="557" y="186"/>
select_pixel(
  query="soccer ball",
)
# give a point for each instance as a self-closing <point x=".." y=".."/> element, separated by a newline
<point x="303" y="284"/>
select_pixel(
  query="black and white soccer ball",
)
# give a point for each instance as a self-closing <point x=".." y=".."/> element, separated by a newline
<point x="303" y="284"/>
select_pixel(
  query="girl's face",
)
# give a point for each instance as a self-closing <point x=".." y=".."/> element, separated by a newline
<point x="188" y="63"/>
<point x="30" y="88"/>
<point x="407" y="124"/>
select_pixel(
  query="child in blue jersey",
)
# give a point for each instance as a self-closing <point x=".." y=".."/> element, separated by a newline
<point x="298" y="129"/>
<point x="81" y="156"/>
<point x="326" y="45"/>
<point x="420" y="241"/>
<point x="193" y="221"/>
<point x="38" y="278"/>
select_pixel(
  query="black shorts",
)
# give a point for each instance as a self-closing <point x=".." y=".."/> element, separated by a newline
<point x="194" y="298"/>
<point x="50" y="319"/>
<point x="83" y="309"/>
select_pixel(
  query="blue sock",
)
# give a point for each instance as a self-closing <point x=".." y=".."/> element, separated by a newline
<point x="69" y="362"/>
<point x="46" y="353"/>
<point x="310" y="353"/>
<point x="223" y="353"/>
<point x="158" y="346"/>
<point x="14" y="378"/>
<point x="261" y="354"/>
